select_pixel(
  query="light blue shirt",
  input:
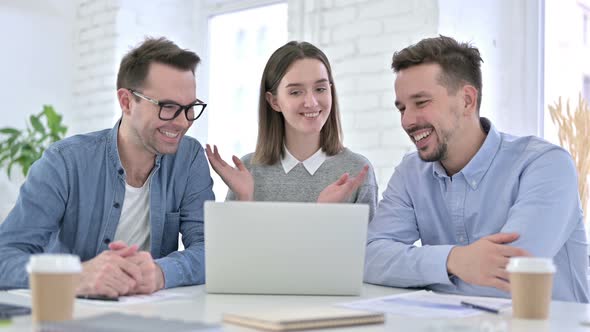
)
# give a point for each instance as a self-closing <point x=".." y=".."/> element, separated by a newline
<point x="71" y="203"/>
<point x="513" y="184"/>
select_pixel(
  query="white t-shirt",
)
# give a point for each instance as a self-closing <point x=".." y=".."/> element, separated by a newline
<point x="134" y="224"/>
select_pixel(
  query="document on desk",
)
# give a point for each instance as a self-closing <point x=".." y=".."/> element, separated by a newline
<point x="118" y="322"/>
<point x="162" y="295"/>
<point x="428" y="304"/>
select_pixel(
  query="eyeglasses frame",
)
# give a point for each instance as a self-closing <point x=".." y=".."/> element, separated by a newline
<point x="184" y="108"/>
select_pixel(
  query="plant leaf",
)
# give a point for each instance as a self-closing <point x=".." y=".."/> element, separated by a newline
<point x="25" y="169"/>
<point x="20" y="161"/>
<point x="36" y="123"/>
<point x="28" y="153"/>
<point x="53" y="119"/>
<point x="10" y="131"/>
<point x="24" y="147"/>
<point x="14" y="150"/>
<point x="3" y="158"/>
<point x="11" y="140"/>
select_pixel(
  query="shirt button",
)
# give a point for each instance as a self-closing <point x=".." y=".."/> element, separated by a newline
<point x="121" y="171"/>
<point x="461" y="239"/>
<point x="116" y="205"/>
<point x="107" y="240"/>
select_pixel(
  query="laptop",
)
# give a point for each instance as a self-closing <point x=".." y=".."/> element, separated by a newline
<point x="285" y="248"/>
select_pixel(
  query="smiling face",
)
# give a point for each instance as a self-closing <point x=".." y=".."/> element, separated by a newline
<point x="144" y="127"/>
<point x="430" y="115"/>
<point x="303" y="97"/>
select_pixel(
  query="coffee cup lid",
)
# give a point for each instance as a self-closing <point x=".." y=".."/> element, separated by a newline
<point x="531" y="265"/>
<point x="54" y="263"/>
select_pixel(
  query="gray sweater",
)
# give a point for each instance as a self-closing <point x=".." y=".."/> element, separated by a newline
<point x="272" y="184"/>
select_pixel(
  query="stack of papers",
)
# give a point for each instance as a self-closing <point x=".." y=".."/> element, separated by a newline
<point x="162" y="295"/>
<point x="429" y="304"/>
<point x="303" y="319"/>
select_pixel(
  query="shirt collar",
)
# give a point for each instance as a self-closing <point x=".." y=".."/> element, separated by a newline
<point x="477" y="167"/>
<point x="311" y="164"/>
<point x="113" y="150"/>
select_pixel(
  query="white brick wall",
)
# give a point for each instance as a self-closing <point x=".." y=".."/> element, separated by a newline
<point x="106" y="30"/>
<point x="94" y="94"/>
<point x="36" y="69"/>
<point x="356" y="36"/>
<point x="359" y="37"/>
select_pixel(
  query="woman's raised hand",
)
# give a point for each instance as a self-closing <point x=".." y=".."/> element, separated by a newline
<point x="341" y="190"/>
<point x="238" y="179"/>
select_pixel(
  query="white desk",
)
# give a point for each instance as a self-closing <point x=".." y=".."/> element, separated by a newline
<point x="201" y="306"/>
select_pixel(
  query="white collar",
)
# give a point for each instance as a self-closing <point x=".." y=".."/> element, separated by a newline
<point x="311" y="164"/>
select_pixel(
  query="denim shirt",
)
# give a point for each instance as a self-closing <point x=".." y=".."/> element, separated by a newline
<point x="513" y="184"/>
<point x="72" y="198"/>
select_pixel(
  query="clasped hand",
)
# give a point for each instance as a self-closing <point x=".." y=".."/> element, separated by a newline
<point x="122" y="270"/>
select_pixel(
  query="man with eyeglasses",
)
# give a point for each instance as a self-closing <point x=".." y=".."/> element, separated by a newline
<point x="118" y="198"/>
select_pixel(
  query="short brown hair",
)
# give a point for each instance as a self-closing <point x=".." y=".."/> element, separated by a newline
<point x="271" y="124"/>
<point x="135" y="64"/>
<point x="460" y="62"/>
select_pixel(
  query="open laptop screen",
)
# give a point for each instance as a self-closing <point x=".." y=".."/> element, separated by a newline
<point x="285" y="248"/>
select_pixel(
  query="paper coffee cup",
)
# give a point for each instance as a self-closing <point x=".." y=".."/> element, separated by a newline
<point x="53" y="279"/>
<point x="531" y="286"/>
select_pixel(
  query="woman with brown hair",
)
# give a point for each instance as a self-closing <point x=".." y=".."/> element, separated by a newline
<point x="299" y="154"/>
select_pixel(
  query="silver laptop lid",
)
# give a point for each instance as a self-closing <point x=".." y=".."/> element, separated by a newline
<point x="285" y="248"/>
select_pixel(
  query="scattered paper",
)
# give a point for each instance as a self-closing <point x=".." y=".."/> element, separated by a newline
<point x="118" y="322"/>
<point x="162" y="295"/>
<point x="135" y="299"/>
<point x="428" y="304"/>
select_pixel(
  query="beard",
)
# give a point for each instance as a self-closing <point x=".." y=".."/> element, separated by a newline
<point x="443" y="137"/>
<point x="439" y="154"/>
<point x="441" y="150"/>
<point x="149" y="142"/>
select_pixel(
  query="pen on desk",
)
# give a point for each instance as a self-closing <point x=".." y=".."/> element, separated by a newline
<point x="480" y="307"/>
<point x="97" y="297"/>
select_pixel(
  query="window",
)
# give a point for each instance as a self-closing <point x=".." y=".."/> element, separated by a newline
<point x="567" y="46"/>
<point x="586" y="90"/>
<point x="240" y="44"/>
<point x="586" y="29"/>
<point x="566" y="49"/>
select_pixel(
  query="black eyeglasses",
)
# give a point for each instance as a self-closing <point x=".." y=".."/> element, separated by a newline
<point x="170" y="110"/>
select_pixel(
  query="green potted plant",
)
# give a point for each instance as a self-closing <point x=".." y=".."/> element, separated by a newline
<point x="24" y="147"/>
